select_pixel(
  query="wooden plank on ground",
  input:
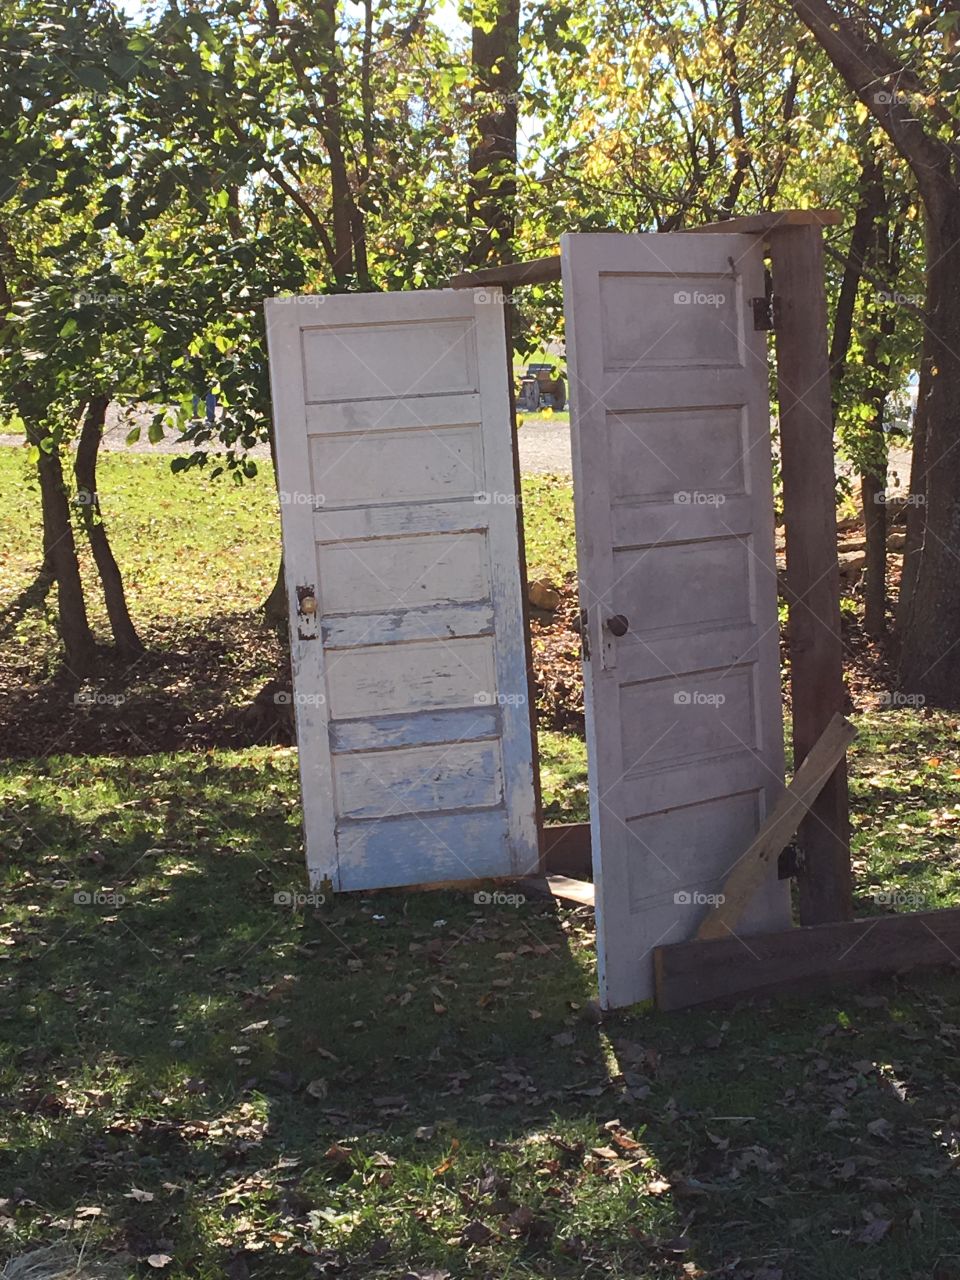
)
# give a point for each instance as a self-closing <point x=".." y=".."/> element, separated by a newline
<point x="813" y="577"/>
<point x="570" y="890"/>
<point x="763" y="222"/>
<point x="779" y="828"/>
<point x="566" y="850"/>
<point x="510" y="274"/>
<point x="723" y="969"/>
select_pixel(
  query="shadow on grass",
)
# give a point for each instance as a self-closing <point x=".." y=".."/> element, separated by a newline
<point x="412" y="1083"/>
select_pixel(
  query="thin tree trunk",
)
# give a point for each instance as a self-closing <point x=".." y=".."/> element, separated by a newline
<point x="869" y="209"/>
<point x="930" y="646"/>
<point x="125" y="635"/>
<point x="872" y="493"/>
<point x="60" y="558"/>
<point x="275" y="605"/>
<point x="491" y="199"/>
<point x="916" y="508"/>
<point x="344" y="223"/>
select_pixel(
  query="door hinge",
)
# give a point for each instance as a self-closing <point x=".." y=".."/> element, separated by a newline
<point x="583" y="627"/>
<point x="762" y="313"/>
<point x="764" y="309"/>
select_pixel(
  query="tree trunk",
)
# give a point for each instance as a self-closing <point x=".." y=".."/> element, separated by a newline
<point x="347" y="222"/>
<point x="930" y="643"/>
<point x="491" y="200"/>
<point x="60" y="558"/>
<point x="929" y="620"/>
<point x="275" y="605"/>
<point x="916" y="510"/>
<point x="875" y="570"/>
<point x="85" y="470"/>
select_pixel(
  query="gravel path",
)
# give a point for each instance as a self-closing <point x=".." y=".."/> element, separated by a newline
<point x="544" y="445"/>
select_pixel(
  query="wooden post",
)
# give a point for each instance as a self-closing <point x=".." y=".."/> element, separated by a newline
<point x="813" y="584"/>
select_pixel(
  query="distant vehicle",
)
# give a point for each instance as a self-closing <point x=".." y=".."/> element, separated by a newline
<point x="541" y="387"/>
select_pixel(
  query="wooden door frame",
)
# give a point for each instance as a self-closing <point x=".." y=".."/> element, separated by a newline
<point x="797" y="314"/>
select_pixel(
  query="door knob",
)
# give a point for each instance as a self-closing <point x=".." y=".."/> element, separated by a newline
<point x="618" y="625"/>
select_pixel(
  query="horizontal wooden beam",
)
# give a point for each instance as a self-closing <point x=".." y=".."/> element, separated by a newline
<point x="511" y="274"/>
<point x="725" y="969"/>
<point x="566" y="850"/>
<point x="760" y="223"/>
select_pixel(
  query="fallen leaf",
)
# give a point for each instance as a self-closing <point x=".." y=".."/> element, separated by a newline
<point x="874" y="1231"/>
<point x="159" y="1260"/>
<point x="476" y="1233"/>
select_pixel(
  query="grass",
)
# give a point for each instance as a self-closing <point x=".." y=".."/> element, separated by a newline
<point x="191" y="547"/>
<point x="417" y="1085"/>
<point x="403" y="1084"/>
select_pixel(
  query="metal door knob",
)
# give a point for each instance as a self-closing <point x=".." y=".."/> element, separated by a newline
<point x="618" y="625"/>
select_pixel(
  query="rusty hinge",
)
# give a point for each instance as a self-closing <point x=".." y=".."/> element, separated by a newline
<point x="764" y="309"/>
<point x="582" y="627"/>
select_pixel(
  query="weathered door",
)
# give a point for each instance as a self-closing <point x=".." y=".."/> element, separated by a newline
<point x="675" y="542"/>
<point x="400" y="534"/>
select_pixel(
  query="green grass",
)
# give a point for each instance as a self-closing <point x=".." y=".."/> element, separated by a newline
<point x="905" y="810"/>
<point x="563" y="777"/>
<point x="189" y="546"/>
<point x="548" y="527"/>
<point x="403" y="1084"/>
<point x="392" y="1084"/>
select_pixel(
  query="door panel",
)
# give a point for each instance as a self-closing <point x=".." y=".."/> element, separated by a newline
<point x="675" y="541"/>
<point x="396" y="476"/>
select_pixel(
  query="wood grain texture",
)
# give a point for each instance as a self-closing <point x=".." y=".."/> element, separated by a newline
<point x="674" y="514"/>
<point x="753" y="223"/>
<point x="399" y="512"/>
<point x="812" y="578"/>
<point x="536" y="271"/>
<point x="778" y="829"/>
<point x="720" y="970"/>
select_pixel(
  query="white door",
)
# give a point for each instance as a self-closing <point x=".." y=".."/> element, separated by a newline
<point x="675" y="543"/>
<point x="400" y="534"/>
